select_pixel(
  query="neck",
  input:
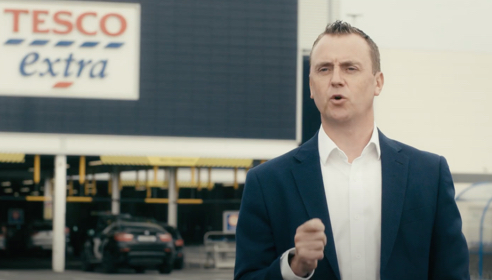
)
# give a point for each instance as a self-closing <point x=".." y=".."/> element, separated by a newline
<point x="352" y="137"/>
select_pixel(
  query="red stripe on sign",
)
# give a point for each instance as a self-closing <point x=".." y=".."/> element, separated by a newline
<point x="62" y="84"/>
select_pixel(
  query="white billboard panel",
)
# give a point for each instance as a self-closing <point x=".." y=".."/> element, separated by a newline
<point x="70" y="49"/>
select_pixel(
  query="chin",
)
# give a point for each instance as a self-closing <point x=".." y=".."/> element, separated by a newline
<point x="339" y="119"/>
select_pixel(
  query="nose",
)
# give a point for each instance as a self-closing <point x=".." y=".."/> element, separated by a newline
<point x="336" y="79"/>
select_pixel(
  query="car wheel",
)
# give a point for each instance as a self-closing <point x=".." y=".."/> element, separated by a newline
<point x="165" y="269"/>
<point x="178" y="264"/>
<point x="108" y="264"/>
<point x="139" y="270"/>
<point x="86" y="265"/>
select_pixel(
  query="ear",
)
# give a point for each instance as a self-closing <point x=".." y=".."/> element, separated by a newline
<point x="379" y="83"/>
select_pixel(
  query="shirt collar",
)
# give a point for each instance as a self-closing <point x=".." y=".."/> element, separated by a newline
<point x="326" y="145"/>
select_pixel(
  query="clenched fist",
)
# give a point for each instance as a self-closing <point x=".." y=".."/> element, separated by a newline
<point x="310" y="241"/>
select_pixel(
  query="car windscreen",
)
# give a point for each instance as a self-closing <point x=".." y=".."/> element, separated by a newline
<point x="140" y="228"/>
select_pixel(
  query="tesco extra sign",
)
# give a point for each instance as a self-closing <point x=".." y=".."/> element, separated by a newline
<point x="70" y="49"/>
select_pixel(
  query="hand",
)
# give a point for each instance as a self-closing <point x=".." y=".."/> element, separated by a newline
<point x="310" y="240"/>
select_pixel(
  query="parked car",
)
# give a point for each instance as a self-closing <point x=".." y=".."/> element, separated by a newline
<point x="177" y="239"/>
<point x="178" y="245"/>
<point x="41" y="237"/>
<point x="95" y="222"/>
<point x="125" y="243"/>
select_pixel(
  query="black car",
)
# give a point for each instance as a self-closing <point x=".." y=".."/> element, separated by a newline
<point x="178" y="244"/>
<point x="124" y="243"/>
<point x="96" y="222"/>
<point x="177" y="239"/>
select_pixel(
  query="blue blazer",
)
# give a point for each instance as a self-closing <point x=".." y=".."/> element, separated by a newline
<point x="421" y="234"/>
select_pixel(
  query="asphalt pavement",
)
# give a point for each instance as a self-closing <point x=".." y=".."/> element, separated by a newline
<point x="185" y="274"/>
<point x="23" y="267"/>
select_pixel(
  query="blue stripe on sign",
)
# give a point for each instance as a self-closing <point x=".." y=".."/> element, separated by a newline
<point x="114" y="45"/>
<point x="64" y="43"/>
<point x="89" y="44"/>
<point x="14" y="41"/>
<point x="39" y="42"/>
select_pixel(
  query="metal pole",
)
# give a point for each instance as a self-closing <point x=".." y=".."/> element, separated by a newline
<point x="60" y="193"/>
<point x="333" y="10"/>
<point x="48" y="200"/>
<point x="115" y="192"/>
<point x="172" y="207"/>
<point x="354" y="18"/>
<point x="330" y="12"/>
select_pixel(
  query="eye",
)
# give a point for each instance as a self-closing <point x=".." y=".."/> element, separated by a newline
<point x="351" y="68"/>
<point x="323" y="69"/>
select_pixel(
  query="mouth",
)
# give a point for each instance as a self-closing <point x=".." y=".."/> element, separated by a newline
<point x="337" y="97"/>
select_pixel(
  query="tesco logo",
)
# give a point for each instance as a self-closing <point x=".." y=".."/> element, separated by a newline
<point x="89" y="24"/>
<point x="66" y="22"/>
<point x="70" y="49"/>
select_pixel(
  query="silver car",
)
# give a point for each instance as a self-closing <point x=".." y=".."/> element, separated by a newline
<point x="41" y="236"/>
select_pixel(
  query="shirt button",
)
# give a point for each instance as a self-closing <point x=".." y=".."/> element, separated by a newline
<point x="358" y="256"/>
<point x="357" y="217"/>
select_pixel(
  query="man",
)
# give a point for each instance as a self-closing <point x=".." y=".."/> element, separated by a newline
<point x="350" y="203"/>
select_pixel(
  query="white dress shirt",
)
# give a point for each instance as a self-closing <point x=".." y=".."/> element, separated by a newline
<point x="353" y="195"/>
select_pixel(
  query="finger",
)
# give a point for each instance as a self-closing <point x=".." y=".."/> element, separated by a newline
<point x="313" y="225"/>
<point x="310" y="245"/>
<point x="310" y="254"/>
<point x="306" y="236"/>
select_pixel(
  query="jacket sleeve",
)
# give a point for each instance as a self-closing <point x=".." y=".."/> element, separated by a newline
<point x="449" y="252"/>
<point x="256" y="255"/>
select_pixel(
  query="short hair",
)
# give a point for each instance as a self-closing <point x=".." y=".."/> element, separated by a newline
<point x="344" y="28"/>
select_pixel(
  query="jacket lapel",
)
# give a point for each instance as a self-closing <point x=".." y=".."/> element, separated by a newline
<point x="309" y="182"/>
<point x="394" y="166"/>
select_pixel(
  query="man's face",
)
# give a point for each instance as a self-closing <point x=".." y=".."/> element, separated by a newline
<point x="341" y="79"/>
